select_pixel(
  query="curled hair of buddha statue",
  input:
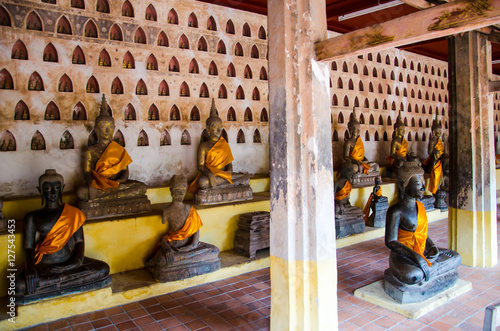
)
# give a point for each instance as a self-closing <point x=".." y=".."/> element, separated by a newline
<point x="214" y="115"/>
<point x="50" y="175"/>
<point x="104" y="113"/>
<point x="178" y="180"/>
<point x="399" y="121"/>
<point x="405" y="173"/>
<point x="436" y="124"/>
<point x="353" y="120"/>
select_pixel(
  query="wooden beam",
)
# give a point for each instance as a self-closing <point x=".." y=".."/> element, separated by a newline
<point x="494" y="86"/>
<point x="494" y="37"/>
<point x="438" y="21"/>
<point x="419" y="4"/>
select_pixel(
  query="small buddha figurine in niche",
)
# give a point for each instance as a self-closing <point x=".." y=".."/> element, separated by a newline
<point x="348" y="219"/>
<point x="417" y="269"/>
<point x="105" y="170"/>
<point x="216" y="182"/>
<point x="180" y="254"/>
<point x="399" y="146"/>
<point x="364" y="172"/>
<point x="54" y="248"/>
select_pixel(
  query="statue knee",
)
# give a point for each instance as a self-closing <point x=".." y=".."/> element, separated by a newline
<point x="203" y="182"/>
<point x="82" y="193"/>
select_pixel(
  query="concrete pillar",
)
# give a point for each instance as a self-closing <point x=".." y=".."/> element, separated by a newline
<point x="303" y="260"/>
<point x="472" y="213"/>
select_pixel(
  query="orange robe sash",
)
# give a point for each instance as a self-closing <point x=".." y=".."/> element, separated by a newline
<point x="344" y="192"/>
<point x="113" y="160"/>
<point x="193" y="224"/>
<point x="217" y="158"/>
<point x="69" y="222"/>
<point x="358" y="154"/>
<point x="437" y="170"/>
<point x="416" y="240"/>
<point x="366" y="210"/>
<point x="402" y="151"/>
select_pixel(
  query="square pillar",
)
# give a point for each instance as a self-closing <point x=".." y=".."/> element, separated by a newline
<point x="303" y="252"/>
<point x="472" y="214"/>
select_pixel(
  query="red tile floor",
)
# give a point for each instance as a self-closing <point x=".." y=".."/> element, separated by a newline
<point x="243" y="302"/>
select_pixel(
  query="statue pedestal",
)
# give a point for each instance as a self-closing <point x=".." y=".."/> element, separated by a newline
<point x="404" y="293"/>
<point x="428" y="202"/>
<point x="253" y="233"/>
<point x="440" y="202"/>
<point x="106" y="208"/>
<point x="365" y="179"/>
<point x="223" y="195"/>
<point x="379" y="212"/>
<point x="346" y="226"/>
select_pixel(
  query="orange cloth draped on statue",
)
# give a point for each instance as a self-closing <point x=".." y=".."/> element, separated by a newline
<point x="217" y="158"/>
<point x="113" y="160"/>
<point x="344" y="192"/>
<point x="416" y="240"/>
<point x="403" y="149"/>
<point x="193" y="224"/>
<point x="67" y="224"/>
<point x="437" y="169"/>
<point x="366" y="210"/>
<point x="358" y="154"/>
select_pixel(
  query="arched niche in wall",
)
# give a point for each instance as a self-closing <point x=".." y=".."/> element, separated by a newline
<point x="119" y="138"/>
<point x="385" y="136"/>
<point x="183" y="42"/>
<point x="143" y="139"/>
<point x="78" y="56"/>
<point x="129" y="113"/>
<point x="263" y="115"/>
<point x="102" y="6"/>
<point x="248" y="72"/>
<point x="79" y="4"/>
<point x="346" y="101"/>
<point x="6" y="81"/>
<point x="35" y="83"/>
<point x="66" y="141"/>
<point x="50" y="53"/>
<point x="63" y="26"/>
<point x="335" y="100"/>
<point x="116" y="33"/>
<point x="184" y="90"/>
<point x="116" y="86"/>
<point x="140" y="36"/>
<point x="340" y="84"/>
<point x="335" y="136"/>
<point x="230" y="27"/>
<point x="366" y="103"/>
<point x="127" y="9"/>
<point x="256" y="137"/>
<point x="175" y="114"/>
<point x="172" y="17"/>
<point x="4" y="17"/>
<point x="246" y="31"/>
<point x="204" y="91"/>
<point x="239" y="93"/>
<point x="92" y="85"/>
<point x="52" y="112"/>
<point x="193" y="67"/>
<point x="221" y="47"/>
<point x="33" y="22"/>
<point x="202" y="44"/>
<point x="163" y="89"/>
<point x="254" y="53"/>
<point x="376" y="138"/>
<point x="152" y="63"/>
<point x="128" y="61"/>
<point x="211" y="25"/>
<point x="151" y="13"/>
<point x="21" y="112"/>
<point x="65" y="84"/>
<point x="222" y="92"/>
<point x="255" y="94"/>
<point x="19" y="51"/>
<point x="248" y="117"/>
<point x="153" y="113"/>
<point x="79" y="112"/>
<point x="90" y="30"/>
<point x="162" y="39"/>
<point x="7" y="142"/>
<point x="141" y="88"/>
<point x="165" y="138"/>
<point x="37" y="141"/>
<point x="104" y="59"/>
<point x="212" y="69"/>
<point x="231" y="115"/>
<point x="192" y="21"/>
<point x="231" y="71"/>
<point x="345" y="68"/>
<point x="240" y="138"/>
<point x="194" y="115"/>
<point x="185" y="138"/>
<point x="173" y="65"/>
<point x="263" y="75"/>
<point x="238" y="49"/>
<point x="262" y="33"/>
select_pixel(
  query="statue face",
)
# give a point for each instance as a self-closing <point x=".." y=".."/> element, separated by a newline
<point x="51" y="191"/>
<point x="105" y="130"/>
<point x="401" y="131"/>
<point x="415" y="187"/>
<point x="215" y="129"/>
<point x="436" y="133"/>
<point x="355" y="131"/>
<point x="178" y="191"/>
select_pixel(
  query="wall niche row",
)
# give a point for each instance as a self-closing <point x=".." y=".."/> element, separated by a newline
<point x="78" y="56"/>
<point x="104" y="59"/>
<point x="116" y="86"/>
<point x="52" y="112"/>
<point x="153" y="113"/>
<point x="194" y="114"/>
<point x="102" y="6"/>
<point x="65" y="84"/>
<point x="6" y="81"/>
<point x="37" y="141"/>
<point x="240" y="138"/>
<point x="63" y="26"/>
<point x="115" y="33"/>
<point x="19" y="51"/>
<point x="175" y="114"/>
<point x="21" y="112"/>
<point x="163" y="89"/>
<point x="7" y="142"/>
<point x="256" y="137"/>
<point x="129" y="113"/>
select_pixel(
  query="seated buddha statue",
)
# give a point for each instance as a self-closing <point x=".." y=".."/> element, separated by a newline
<point x="180" y="254"/>
<point x="364" y="172"/>
<point x="433" y="162"/>
<point x="216" y="170"/>
<point x="418" y="269"/>
<point x="54" y="248"/>
<point x="399" y="146"/>
<point x="348" y="219"/>
<point x="105" y="170"/>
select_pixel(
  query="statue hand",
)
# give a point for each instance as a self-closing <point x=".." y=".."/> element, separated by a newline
<point x="31" y="280"/>
<point x="212" y="179"/>
<point x="433" y="253"/>
<point x="425" y="269"/>
<point x="70" y="266"/>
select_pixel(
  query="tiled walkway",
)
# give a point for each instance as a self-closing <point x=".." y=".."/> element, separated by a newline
<point x="243" y="302"/>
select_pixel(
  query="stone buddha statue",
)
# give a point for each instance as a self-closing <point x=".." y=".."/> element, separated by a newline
<point x="378" y="204"/>
<point x="108" y="190"/>
<point x="180" y="254"/>
<point x="399" y="146"/>
<point x="216" y="182"/>
<point x="417" y="268"/>
<point x="364" y="172"/>
<point x="54" y="248"/>
<point x="348" y="219"/>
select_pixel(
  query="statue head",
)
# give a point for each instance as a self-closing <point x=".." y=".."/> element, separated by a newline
<point x="214" y="123"/>
<point x="51" y="185"/>
<point x="399" y="126"/>
<point x="353" y="125"/>
<point x="104" y="125"/>
<point x="178" y="187"/>
<point x="346" y="173"/>
<point x="436" y="127"/>
<point x="410" y="180"/>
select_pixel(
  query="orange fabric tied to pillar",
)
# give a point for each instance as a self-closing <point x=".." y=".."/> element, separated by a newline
<point x="217" y="158"/>
<point x="193" y="224"/>
<point x="358" y="154"/>
<point x="437" y="169"/>
<point x="113" y="160"/>
<point x="67" y="224"/>
<point x="344" y="192"/>
<point x="416" y="240"/>
<point x="402" y="151"/>
<point x="366" y="210"/>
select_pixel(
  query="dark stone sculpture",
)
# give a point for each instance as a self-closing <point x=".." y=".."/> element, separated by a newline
<point x="417" y="269"/>
<point x="379" y="205"/>
<point x="399" y="147"/>
<point x="54" y="249"/>
<point x="253" y="233"/>
<point x="180" y="254"/>
<point x="348" y="219"/>
<point x="108" y="190"/>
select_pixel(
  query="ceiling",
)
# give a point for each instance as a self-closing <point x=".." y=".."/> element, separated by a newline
<point x="437" y="48"/>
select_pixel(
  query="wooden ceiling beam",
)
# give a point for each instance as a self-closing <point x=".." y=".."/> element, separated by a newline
<point x="419" y="4"/>
<point x="438" y="21"/>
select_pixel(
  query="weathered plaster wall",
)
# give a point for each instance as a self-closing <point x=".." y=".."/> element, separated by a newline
<point x="153" y="164"/>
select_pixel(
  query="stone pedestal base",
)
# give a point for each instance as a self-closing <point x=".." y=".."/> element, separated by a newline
<point x="379" y="212"/>
<point x="440" y="202"/>
<point x="108" y="208"/>
<point x="365" y="180"/>
<point x="223" y="194"/>
<point x="253" y="233"/>
<point x="403" y="293"/>
<point x="345" y="227"/>
<point x="428" y="201"/>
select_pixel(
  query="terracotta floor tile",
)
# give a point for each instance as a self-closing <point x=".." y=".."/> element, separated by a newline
<point x="113" y="311"/>
<point x="161" y="315"/>
<point x="101" y="323"/>
<point x="97" y="315"/>
<point x="83" y="327"/>
<point x="78" y="319"/>
<point x="137" y="313"/>
<point x="129" y="325"/>
<point x="185" y="318"/>
<point x="131" y="306"/>
<point x="108" y="328"/>
<point x="152" y="327"/>
<point x="143" y="320"/>
<point x="195" y="325"/>
<point x="120" y="318"/>
<point x="148" y="302"/>
<point x="169" y="322"/>
<point x="57" y="325"/>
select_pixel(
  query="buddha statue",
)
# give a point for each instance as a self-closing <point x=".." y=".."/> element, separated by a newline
<point x="417" y="268"/>
<point x="54" y="248"/>
<point x="434" y="164"/>
<point x="108" y="190"/>
<point x="180" y="254"/>
<point x="348" y="219"/>
<point x="216" y="182"/>
<point x="378" y="204"/>
<point x="399" y="146"/>
<point x="364" y="172"/>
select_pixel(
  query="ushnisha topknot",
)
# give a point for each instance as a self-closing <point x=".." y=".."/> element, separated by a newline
<point x="353" y="120"/>
<point x="408" y="170"/>
<point x="214" y="115"/>
<point x="436" y="124"/>
<point x="50" y="175"/>
<point x="104" y="114"/>
<point x="399" y="121"/>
